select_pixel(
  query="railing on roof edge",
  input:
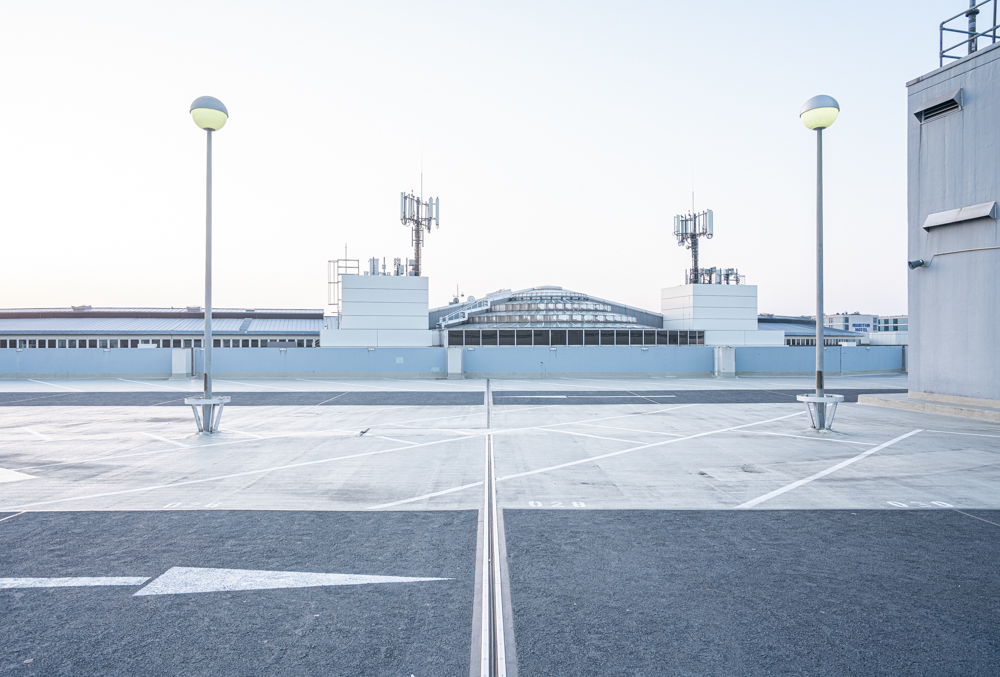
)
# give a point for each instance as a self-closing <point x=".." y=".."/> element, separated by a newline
<point x="972" y="34"/>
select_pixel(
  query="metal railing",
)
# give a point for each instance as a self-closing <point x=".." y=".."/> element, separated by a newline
<point x="971" y="34"/>
<point x="463" y="314"/>
<point x="335" y="269"/>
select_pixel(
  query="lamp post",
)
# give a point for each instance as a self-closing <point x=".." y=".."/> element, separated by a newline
<point x="818" y="113"/>
<point x="209" y="114"/>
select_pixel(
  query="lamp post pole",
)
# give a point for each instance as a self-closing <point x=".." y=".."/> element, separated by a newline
<point x="819" y="274"/>
<point x="209" y="114"/>
<point x="206" y="409"/>
<point x="819" y="113"/>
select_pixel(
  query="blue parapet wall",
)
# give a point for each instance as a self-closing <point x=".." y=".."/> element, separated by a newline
<point x="233" y="362"/>
<point x="522" y="361"/>
<point x="802" y="360"/>
<point x="411" y="362"/>
<point x="84" y="362"/>
<point x="538" y="361"/>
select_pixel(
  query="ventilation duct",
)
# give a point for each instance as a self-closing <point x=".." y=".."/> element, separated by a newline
<point x="939" y="106"/>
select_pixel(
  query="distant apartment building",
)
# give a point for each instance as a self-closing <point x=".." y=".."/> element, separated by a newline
<point x="866" y="324"/>
<point x="893" y="323"/>
<point x="856" y="322"/>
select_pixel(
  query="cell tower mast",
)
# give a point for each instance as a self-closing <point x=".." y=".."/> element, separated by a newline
<point x="688" y="228"/>
<point x="418" y="215"/>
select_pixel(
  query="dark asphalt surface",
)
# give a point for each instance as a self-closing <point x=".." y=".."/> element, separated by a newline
<point x="415" y="398"/>
<point x="421" y="628"/>
<point x="755" y="593"/>
<point x="297" y="399"/>
<point x="550" y="397"/>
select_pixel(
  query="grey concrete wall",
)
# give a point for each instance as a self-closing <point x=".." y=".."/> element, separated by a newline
<point x="954" y="161"/>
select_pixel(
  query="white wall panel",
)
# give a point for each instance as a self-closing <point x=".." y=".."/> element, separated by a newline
<point x="331" y="338"/>
<point x="350" y="308"/>
<point x="365" y="295"/>
<point x="383" y="322"/>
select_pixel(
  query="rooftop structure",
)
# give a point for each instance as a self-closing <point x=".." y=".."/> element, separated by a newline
<point x="801" y="330"/>
<point x="87" y="327"/>
<point x="543" y="308"/>
<point x="954" y="247"/>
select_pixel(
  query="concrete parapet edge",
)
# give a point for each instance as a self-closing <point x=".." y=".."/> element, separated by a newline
<point x="591" y="374"/>
<point x="395" y="375"/>
<point x="955" y="399"/>
<point x="875" y="372"/>
<point x="905" y="403"/>
<point x="63" y="376"/>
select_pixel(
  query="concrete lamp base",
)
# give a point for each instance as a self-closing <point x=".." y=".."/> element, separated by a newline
<point x="822" y="409"/>
<point x="213" y="411"/>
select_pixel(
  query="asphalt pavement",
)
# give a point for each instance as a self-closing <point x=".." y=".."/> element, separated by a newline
<point x="392" y="628"/>
<point x="808" y="592"/>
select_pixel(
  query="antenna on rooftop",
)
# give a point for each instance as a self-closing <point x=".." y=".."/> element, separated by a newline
<point x="418" y="215"/>
<point x="688" y="228"/>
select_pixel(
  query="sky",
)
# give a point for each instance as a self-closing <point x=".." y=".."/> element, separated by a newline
<point x="560" y="137"/>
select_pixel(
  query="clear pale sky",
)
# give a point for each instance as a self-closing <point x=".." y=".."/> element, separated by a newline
<point x="561" y="137"/>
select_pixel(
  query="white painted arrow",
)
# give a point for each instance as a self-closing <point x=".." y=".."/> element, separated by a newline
<point x="71" y="582"/>
<point x="13" y="475"/>
<point x="182" y="580"/>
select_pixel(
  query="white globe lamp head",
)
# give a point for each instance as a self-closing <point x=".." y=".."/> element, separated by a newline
<point x="819" y="112"/>
<point x="209" y="113"/>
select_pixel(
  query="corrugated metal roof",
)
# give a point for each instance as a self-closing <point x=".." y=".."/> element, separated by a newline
<point x="158" y="313"/>
<point x="151" y="326"/>
<point x="285" y="327"/>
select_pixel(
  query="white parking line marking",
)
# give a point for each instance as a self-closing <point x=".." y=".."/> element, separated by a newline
<point x="586" y="460"/>
<point x="803" y="437"/>
<point x="823" y="473"/>
<point x="644" y="446"/>
<point x="55" y="385"/>
<point x="420" y="498"/>
<point x="156" y="385"/>
<point x="634" y="430"/>
<point x="10" y="517"/>
<point x="596" y="437"/>
<point x="240" y="432"/>
<point x="70" y="582"/>
<point x="37" y="434"/>
<point x="164" y="439"/>
<point x="976" y="518"/>
<point x="216" y="478"/>
<point x="393" y="439"/>
<point x="950" y="432"/>
<point x="255" y="385"/>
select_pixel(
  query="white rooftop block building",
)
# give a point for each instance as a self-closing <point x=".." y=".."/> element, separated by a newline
<point x="380" y="311"/>
<point x="727" y="313"/>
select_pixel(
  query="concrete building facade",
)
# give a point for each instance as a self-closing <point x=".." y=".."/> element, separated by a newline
<point x="726" y="313"/>
<point x="380" y="310"/>
<point x="953" y="176"/>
